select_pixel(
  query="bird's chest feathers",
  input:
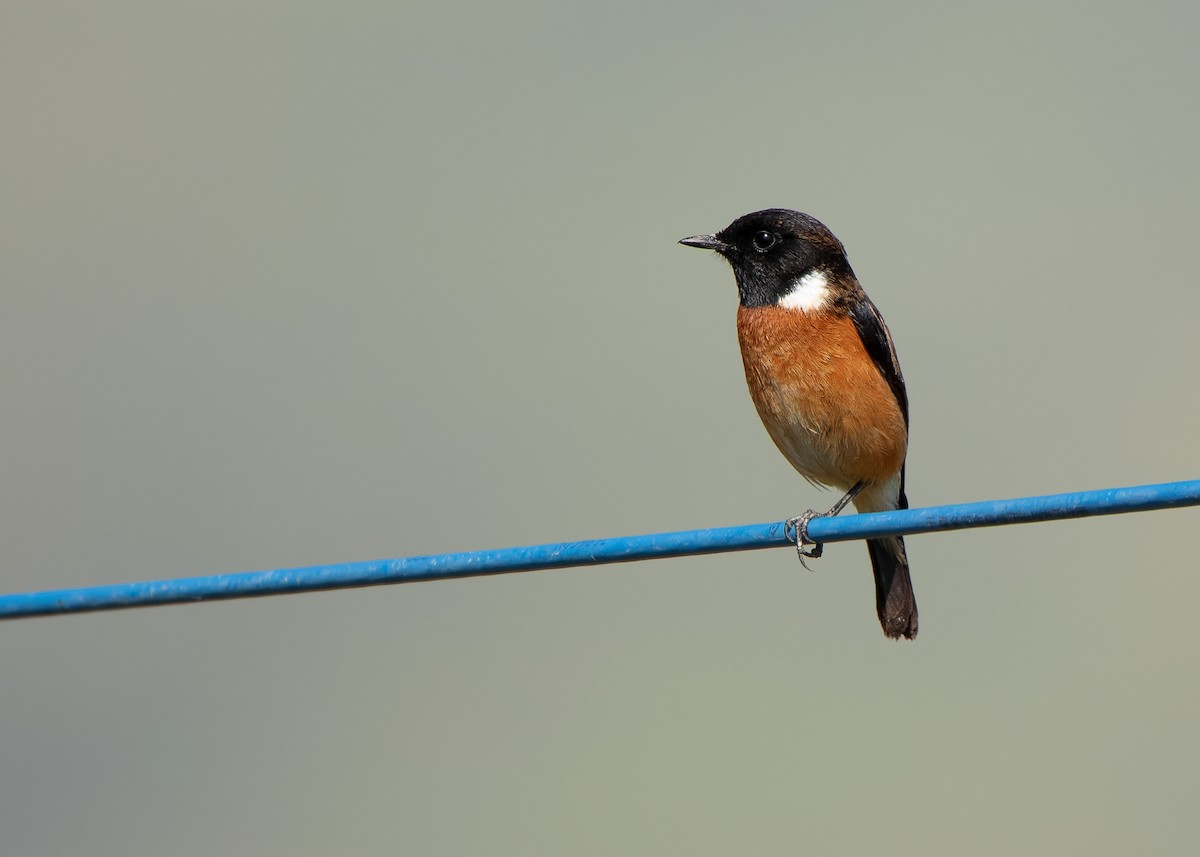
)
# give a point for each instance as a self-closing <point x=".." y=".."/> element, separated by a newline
<point x="821" y="397"/>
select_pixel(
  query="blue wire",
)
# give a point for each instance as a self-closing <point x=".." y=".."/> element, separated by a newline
<point x="1108" y="501"/>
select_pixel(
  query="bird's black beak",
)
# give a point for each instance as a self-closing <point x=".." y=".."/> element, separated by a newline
<point x="705" y="242"/>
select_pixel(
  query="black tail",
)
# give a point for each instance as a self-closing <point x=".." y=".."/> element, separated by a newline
<point x="894" y="599"/>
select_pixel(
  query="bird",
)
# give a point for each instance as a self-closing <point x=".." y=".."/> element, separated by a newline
<point x="824" y="377"/>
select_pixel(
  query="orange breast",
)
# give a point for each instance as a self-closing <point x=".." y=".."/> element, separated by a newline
<point x="821" y="397"/>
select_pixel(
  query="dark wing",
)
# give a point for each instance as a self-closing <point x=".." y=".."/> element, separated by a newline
<point x="878" y="342"/>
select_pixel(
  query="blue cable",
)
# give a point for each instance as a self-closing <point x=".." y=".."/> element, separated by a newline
<point x="987" y="513"/>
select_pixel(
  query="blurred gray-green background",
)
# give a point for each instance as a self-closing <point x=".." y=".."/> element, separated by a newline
<point x="294" y="283"/>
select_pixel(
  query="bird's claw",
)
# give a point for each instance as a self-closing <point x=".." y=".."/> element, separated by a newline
<point x="805" y="546"/>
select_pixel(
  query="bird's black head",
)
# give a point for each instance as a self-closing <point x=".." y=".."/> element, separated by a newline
<point x="772" y="250"/>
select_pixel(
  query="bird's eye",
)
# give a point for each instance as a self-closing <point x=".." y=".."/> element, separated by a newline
<point x="763" y="241"/>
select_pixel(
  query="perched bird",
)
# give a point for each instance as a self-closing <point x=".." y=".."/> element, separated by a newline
<point x="823" y="374"/>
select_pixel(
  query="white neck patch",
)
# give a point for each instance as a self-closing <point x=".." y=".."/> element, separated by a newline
<point x="809" y="293"/>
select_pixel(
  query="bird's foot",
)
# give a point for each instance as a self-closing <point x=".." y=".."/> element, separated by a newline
<point x="805" y="546"/>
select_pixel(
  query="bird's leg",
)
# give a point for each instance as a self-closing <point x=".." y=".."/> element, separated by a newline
<point x="799" y="524"/>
